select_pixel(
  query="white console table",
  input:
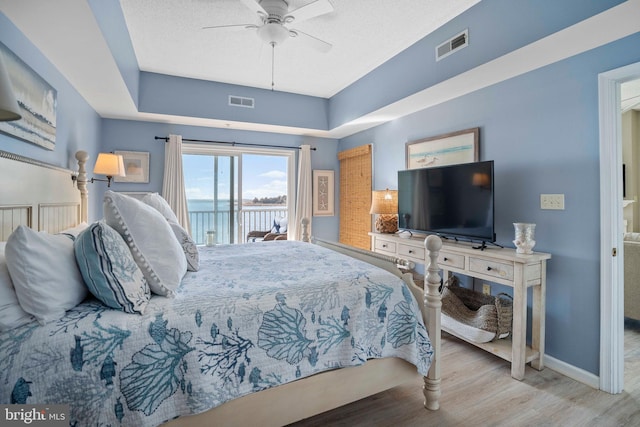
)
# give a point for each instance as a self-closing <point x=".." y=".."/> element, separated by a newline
<point x="497" y="265"/>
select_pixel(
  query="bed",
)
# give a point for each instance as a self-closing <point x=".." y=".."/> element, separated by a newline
<point x="228" y="347"/>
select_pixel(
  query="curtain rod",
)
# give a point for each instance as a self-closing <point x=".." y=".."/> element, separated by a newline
<point x="233" y="143"/>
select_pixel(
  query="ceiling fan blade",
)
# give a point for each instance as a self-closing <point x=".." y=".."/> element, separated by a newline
<point x="235" y="27"/>
<point x="255" y="7"/>
<point x="308" y="11"/>
<point x="312" y="41"/>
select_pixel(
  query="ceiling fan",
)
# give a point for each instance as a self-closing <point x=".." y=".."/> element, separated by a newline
<point x="275" y="17"/>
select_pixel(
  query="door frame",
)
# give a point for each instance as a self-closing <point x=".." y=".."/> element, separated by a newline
<point x="611" y="228"/>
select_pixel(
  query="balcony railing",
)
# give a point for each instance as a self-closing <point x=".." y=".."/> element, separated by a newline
<point x="251" y="219"/>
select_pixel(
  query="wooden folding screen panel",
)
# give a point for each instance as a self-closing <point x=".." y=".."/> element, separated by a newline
<point x="355" y="196"/>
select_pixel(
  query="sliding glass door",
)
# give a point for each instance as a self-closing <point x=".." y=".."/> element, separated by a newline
<point x="211" y="182"/>
<point x="231" y="192"/>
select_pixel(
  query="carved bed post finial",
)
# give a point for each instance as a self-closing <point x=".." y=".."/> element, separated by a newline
<point x="305" y="229"/>
<point x="433" y="302"/>
<point x="82" y="157"/>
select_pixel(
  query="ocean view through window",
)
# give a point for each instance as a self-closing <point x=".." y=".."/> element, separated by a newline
<point x="232" y="193"/>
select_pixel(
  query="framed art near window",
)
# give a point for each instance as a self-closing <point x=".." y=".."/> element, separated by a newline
<point x="136" y="166"/>
<point x="448" y="149"/>
<point x="323" y="194"/>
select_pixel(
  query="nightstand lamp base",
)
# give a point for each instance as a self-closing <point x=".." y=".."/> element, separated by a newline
<point x="387" y="223"/>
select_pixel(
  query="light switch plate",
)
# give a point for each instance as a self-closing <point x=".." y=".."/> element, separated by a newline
<point x="552" y="201"/>
<point x="486" y="289"/>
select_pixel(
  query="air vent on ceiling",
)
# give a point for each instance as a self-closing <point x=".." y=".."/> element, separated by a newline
<point x="452" y="45"/>
<point x="240" y="101"/>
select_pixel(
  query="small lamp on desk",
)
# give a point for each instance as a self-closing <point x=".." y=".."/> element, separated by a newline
<point x="385" y="204"/>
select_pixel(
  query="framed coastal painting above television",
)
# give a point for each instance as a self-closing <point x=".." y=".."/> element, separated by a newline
<point x="448" y="149"/>
<point x="37" y="101"/>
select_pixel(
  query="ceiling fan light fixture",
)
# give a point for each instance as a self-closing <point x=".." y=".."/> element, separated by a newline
<point x="272" y="33"/>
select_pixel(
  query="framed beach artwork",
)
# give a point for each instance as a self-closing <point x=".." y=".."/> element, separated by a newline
<point x="448" y="149"/>
<point x="37" y="101"/>
<point x="136" y="166"/>
<point x="323" y="194"/>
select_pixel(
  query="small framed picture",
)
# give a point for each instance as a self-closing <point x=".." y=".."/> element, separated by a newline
<point x="136" y="166"/>
<point x="323" y="197"/>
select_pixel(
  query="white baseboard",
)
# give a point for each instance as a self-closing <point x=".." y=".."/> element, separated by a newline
<point x="572" y="372"/>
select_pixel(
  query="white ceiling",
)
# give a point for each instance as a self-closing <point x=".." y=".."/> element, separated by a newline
<point x="168" y="38"/>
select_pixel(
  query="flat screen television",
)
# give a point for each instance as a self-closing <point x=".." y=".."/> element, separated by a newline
<point x="453" y="201"/>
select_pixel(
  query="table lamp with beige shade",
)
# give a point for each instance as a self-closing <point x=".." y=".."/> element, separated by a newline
<point x="384" y="204"/>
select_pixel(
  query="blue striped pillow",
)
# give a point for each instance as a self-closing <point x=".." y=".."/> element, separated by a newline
<point x="109" y="270"/>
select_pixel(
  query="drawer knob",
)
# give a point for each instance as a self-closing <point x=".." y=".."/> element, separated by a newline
<point x="410" y="251"/>
<point x="384" y="246"/>
<point x="489" y="269"/>
<point x="446" y="259"/>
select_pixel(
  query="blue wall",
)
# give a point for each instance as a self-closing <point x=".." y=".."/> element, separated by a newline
<point x="139" y="136"/>
<point x="541" y="129"/>
<point x="496" y="27"/>
<point x="77" y="124"/>
<point x="181" y="96"/>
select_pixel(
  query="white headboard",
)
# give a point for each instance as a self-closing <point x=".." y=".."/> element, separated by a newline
<point x="36" y="194"/>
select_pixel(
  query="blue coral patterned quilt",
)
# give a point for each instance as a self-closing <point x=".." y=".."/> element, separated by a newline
<point x="254" y="316"/>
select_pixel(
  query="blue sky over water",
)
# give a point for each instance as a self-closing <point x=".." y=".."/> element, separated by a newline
<point x="263" y="176"/>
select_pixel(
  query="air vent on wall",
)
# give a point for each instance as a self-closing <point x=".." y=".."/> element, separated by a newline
<point x="240" y="101"/>
<point x="452" y="45"/>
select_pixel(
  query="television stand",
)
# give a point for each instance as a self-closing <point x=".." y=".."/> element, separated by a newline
<point x="503" y="266"/>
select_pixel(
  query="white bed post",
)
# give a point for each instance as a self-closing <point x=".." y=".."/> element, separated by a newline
<point x="305" y="229"/>
<point x="82" y="157"/>
<point x="433" y="303"/>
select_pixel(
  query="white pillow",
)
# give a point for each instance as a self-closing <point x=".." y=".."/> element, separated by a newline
<point x="188" y="246"/>
<point x="283" y="225"/>
<point x="44" y="273"/>
<point x="11" y="314"/>
<point x="279" y="225"/>
<point x="157" y="202"/>
<point x="151" y="240"/>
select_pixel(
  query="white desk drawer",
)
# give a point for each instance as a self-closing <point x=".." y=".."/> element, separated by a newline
<point x="411" y="251"/>
<point x="491" y="268"/>
<point x="446" y="259"/>
<point x="385" y="246"/>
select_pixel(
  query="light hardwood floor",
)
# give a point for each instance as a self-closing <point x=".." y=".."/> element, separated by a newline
<point x="477" y="390"/>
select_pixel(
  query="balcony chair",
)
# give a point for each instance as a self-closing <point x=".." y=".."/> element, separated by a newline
<point x="278" y="232"/>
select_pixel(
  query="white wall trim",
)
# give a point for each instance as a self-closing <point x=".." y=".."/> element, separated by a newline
<point x="611" y="231"/>
<point x="571" y="371"/>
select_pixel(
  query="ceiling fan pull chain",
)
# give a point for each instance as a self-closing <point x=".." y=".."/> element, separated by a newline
<point x="273" y="56"/>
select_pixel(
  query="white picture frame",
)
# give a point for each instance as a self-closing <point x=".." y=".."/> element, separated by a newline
<point x="323" y="193"/>
<point x="136" y="167"/>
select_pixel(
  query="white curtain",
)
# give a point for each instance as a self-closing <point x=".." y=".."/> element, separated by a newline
<point x="304" y="196"/>
<point x="173" y="189"/>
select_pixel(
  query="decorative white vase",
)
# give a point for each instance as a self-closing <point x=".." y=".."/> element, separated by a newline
<point x="211" y="238"/>
<point x="524" y="237"/>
